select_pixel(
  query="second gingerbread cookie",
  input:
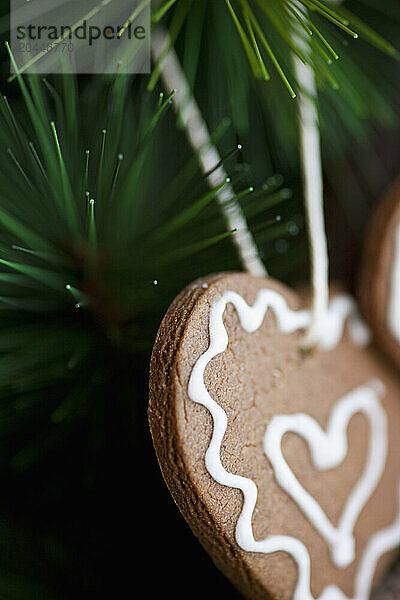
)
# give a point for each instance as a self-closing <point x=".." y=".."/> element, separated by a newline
<point x="286" y="465"/>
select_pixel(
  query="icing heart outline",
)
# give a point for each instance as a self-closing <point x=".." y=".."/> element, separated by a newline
<point x="251" y="318"/>
<point x="328" y="450"/>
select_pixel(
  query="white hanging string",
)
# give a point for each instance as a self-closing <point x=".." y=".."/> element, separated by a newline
<point x="310" y="155"/>
<point x="199" y="138"/>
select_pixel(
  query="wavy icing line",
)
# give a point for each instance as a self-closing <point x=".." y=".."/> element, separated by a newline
<point x="342" y="308"/>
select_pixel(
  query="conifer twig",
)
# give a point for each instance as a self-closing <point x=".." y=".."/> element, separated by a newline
<point x="199" y="138"/>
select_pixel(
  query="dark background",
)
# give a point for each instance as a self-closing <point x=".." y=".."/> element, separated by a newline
<point x="120" y="533"/>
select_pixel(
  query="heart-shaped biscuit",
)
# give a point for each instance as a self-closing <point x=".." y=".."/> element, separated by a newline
<point x="379" y="294"/>
<point x="285" y="464"/>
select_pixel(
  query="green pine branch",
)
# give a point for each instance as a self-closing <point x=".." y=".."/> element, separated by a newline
<point x="93" y="246"/>
<point x="258" y="21"/>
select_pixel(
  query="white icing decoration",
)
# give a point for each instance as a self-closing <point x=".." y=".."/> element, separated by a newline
<point x="328" y="450"/>
<point x="393" y="317"/>
<point x="341" y="309"/>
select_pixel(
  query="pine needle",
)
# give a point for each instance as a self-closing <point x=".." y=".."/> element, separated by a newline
<point x="163" y="10"/>
<point x="44" y="276"/>
<point x="68" y="205"/>
<point x="271" y="54"/>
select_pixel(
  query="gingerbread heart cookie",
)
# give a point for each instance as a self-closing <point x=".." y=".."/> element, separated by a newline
<point x="285" y="464"/>
<point x="379" y="294"/>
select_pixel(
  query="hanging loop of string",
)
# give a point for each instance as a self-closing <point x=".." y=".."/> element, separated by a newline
<point x="310" y="155"/>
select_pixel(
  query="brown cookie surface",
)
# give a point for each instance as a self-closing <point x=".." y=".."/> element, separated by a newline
<point x="379" y="290"/>
<point x="251" y="436"/>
